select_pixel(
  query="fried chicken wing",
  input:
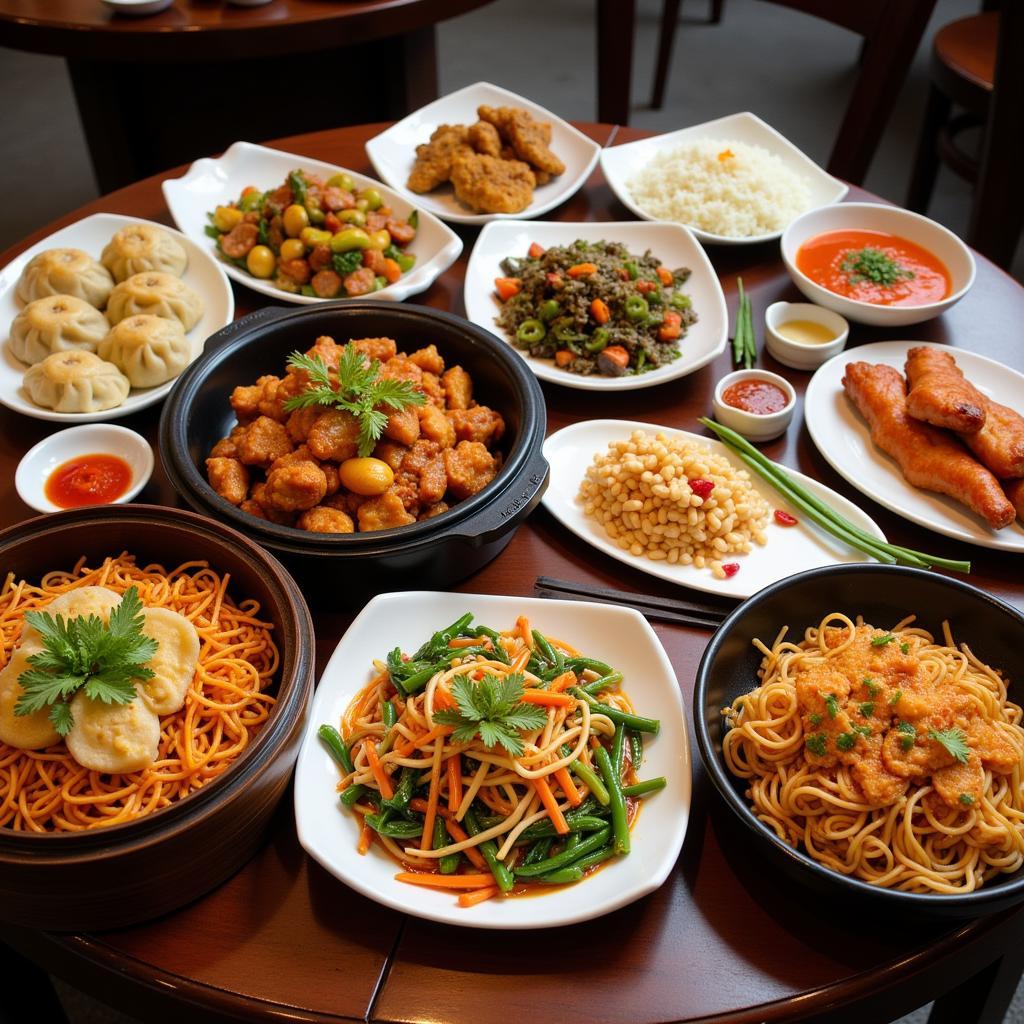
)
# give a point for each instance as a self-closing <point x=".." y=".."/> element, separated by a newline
<point x="940" y="394"/>
<point x="928" y="458"/>
<point x="1015" y="492"/>
<point x="434" y="158"/>
<point x="489" y="185"/>
<point x="999" y="444"/>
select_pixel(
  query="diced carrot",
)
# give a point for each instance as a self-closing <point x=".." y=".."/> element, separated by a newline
<point x="392" y="271"/>
<point x="617" y="354"/>
<point x="599" y="311"/>
<point x="563" y="357"/>
<point x="383" y="782"/>
<point x="446" y="881"/>
<point x="547" y="699"/>
<point x="554" y="281"/>
<point x="643" y="287"/>
<point x="454" y="767"/>
<point x="572" y="794"/>
<point x="365" y="839"/>
<point x="249" y="189"/>
<point x="471" y="899"/>
<point x="535" y="251"/>
<point x="562" y="682"/>
<point x="547" y="798"/>
<point x="443" y="699"/>
<point x="506" y="287"/>
<point x="665" y="276"/>
<point x="582" y="270"/>
<point x="671" y="327"/>
<point x="623" y="274"/>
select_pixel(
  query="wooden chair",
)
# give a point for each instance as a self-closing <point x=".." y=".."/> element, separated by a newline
<point x="891" y="30"/>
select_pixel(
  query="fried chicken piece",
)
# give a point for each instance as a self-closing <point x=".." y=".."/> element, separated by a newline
<point x="434" y="510"/>
<point x="425" y="465"/>
<point x="477" y="424"/>
<point x="433" y="164"/>
<point x="928" y="458"/>
<point x="470" y="468"/>
<point x="264" y="441"/>
<point x="1015" y="492"/>
<point x="259" y="505"/>
<point x="436" y="426"/>
<point x="428" y="360"/>
<point x="296" y="486"/>
<point x="403" y="425"/>
<point x="940" y="394"/>
<point x="400" y="368"/>
<point x="433" y="389"/>
<point x="300" y="422"/>
<point x="384" y="512"/>
<point x="487" y="184"/>
<point x="327" y="349"/>
<point x="530" y="140"/>
<point x="999" y="444"/>
<point x="458" y="387"/>
<point x="322" y="519"/>
<point x="334" y="436"/>
<point x="381" y="349"/>
<point x="227" y="447"/>
<point x="484" y="138"/>
<point x="229" y="478"/>
<point x="390" y="453"/>
<point x="246" y="399"/>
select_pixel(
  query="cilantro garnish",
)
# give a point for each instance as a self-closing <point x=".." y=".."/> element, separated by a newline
<point x="492" y="710"/>
<point x="816" y="743"/>
<point x="358" y="389"/>
<point x="815" y="719"/>
<point x="895" y="698"/>
<point x="867" y="709"/>
<point x="909" y="736"/>
<point x="83" y="653"/>
<point x="954" y="741"/>
<point x="966" y="799"/>
<point x="831" y="705"/>
<point x="870" y="264"/>
<point x="846" y="740"/>
<point x="872" y="687"/>
<point x="881" y="641"/>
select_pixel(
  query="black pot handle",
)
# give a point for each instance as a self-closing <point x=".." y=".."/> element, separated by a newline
<point x="266" y="314"/>
<point x="518" y="500"/>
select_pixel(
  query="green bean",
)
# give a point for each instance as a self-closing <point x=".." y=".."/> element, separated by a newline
<point x="591" y="843"/>
<point x="548" y="653"/>
<point x="449" y="864"/>
<point x="496" y="641"/>
<point x="403" y="791"/>
<point x="548" y="310"/>
<point x="573" y="841"/>
<point x="580" y="823"/>
<point x="618" y="750"/>
<point x="580" y="665"/>
<point x="636" y="308"/>
<point x="604" y="683"/>
<point x="388" y="715"/>
<point x="575" y="871"/>
<point x="539" y="850"/>
<point x="352" y="795"/>
<point x="651" y="725"/>
<point x="502" y="875"/>
<point x="395" y="829"/>
<point x="531" y="332"/>
<point x="620" y="821"/>
<point x="336" y="747"/>
<point x="636" y="749"/>
<point x="643" y="788"/>
<point x="587" y="775"/>
<point x="564" y="875"/>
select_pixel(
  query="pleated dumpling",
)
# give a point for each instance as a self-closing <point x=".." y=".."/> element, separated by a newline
<point x="143" y="247"/>
<point x="65" y="272"/>
<point x="76" y="382"/>
<point x="26" y="732"/>
<point x="156" y="294"/>
<point x="148" y="350"/>
<point x="113" y="738"/>
<point x="58" y="323"/>
<point x="175" y="661"/>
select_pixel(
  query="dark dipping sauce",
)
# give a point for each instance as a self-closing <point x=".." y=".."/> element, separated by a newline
<point x="88" y="480"/>
<point x="760" y="397"/>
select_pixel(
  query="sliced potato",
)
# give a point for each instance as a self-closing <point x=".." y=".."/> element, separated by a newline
<point x="174" y="663"/>
<point x="84" y="601"/>
<point x="26" y="732"/>
<point x="113" y="738"/>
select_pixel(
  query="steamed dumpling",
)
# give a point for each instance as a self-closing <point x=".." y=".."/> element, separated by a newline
<point x="57" y="323"/>
<point x="76" y="382"/>
<point x="26" y="732"/>
<point x="148" y="350"/>
<point x="113" y="738"/>
<point x="174" y="663"/>
<point x="141" y="248"/>
<point x="157" y="294"/>
<point x="65" y="272"/>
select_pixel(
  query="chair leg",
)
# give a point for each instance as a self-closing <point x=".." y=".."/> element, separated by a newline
<point x="666" y="37"/>
<point x="926" y="160"/>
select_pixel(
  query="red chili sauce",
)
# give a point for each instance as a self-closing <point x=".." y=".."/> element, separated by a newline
<point x="760" y="397"/>
<point x="88" y="480"/>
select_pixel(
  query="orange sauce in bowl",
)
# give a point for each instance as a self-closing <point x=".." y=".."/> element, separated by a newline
<point x="875" y="267"/>
<point x="88" y="480"/>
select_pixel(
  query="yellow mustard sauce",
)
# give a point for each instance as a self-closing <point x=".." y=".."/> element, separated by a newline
<point x="805" y="332"/>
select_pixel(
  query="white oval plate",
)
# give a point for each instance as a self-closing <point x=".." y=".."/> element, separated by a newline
<point x="673" y="244"/>
<point x="843" y="438"/>
<point x="790" y="549"/>
<point x="621" y="636"/>
<point x="393" y="153"/>
<point x="211" y="182"/>
<point x="621" y="163"/>
<point x="203" y="275"/>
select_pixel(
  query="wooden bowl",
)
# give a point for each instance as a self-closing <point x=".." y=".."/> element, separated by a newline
<point x="115" y="876"/>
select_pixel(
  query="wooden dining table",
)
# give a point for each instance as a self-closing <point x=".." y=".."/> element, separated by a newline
<point x="726" y="939"/>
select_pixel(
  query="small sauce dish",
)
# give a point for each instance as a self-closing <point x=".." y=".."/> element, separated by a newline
<point x="138" y="8"/>
<point x="109" y="444"/>
<point x="802" y="355"/>
<point x="754" y="426"/>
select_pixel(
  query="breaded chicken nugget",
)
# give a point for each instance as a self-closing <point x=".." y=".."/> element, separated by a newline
<point x="484" y="138"/>
<point x="434" y="158"/>
<point x="489" y="185"/>
<point x="530" y="140"/>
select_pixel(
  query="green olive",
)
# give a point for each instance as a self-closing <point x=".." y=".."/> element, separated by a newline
<point x="316" y="214"/>
<point x="379" y="239"/>
<point x="362" y="204"/>
<point x="260" y="261"/>
<point x="342" y="181"/>
<point x="295" y="219"/>
<point x="312" y="237"/>
<point x="366" y="476"/>
<point x="373" y="198"/>
<point x="356" y="217"/>
<point x="349" y="239"/>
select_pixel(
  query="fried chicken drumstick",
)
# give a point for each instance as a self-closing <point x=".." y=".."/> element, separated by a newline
<point x="999" y="444"/>
<point x="1015" y="492"/>
<point x="928" y="458"/>
<point x="940" y="394"/>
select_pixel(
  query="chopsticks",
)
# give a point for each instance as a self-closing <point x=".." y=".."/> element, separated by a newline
<point x="661" y="609"/>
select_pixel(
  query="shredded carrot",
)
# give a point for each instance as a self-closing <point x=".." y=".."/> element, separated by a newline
<point x="547" y="798"/>
<point x="443" y="699"/>
<point x="454" y="766"/>
<point x="521" y="660"/>
<point x="523" y="625"/>
<point x="432" y="797"/>
<point x="445" y="881"/>
<point x="383" y="781"/>
<point x="547" y="698"/>
<point x="438" y="730"/>
<point x="463" y="641"/>
<point x="572" y="794"/>
<point x="365" y="839"/>
<point x="562" y="682"/>
<point x="471" y="899"/>
<point x="455" y="830"/>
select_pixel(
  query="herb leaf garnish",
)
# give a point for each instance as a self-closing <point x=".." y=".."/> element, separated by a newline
<point x="954" y="741"/>
<point x="358" y="389"/>
<point x="870" y="264"/>
<point x="492" y="709"/>
<point x="82" y="652"/>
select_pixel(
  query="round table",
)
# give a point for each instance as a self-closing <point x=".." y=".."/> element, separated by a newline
<point x="725" y="939"/>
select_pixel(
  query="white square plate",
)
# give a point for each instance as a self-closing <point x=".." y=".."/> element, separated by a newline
<point x="620" y="636"/>
<point x="202" y="274"/>
<point x="211" y="182"/>
<point x="621" y="163"/>
<point x="393" y="153"/>
<point x="673" y="244"/>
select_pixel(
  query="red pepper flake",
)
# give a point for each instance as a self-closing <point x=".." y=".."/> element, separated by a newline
<point x="702" y="488"/>
<point x="785" y="519"/>
<point x="731" y="568"/>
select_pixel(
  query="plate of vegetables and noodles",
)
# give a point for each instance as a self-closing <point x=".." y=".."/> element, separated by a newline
<point x="890" y="754"/>
<point x="474" y="759"/>
<point x="303" y="231"/>
<point x="184" y="687"/>
<point x="604" y="306"/>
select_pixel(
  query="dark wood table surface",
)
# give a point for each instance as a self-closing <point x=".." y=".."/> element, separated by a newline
<point x="725" y="939"/>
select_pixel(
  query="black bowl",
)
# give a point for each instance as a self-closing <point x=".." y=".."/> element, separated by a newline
<point x="435" y="552"/>
<point x="883" y="595"/>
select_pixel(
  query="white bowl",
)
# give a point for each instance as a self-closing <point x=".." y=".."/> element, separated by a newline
<point x="89" y="439"/>
<point x="673" y="244"/>
<point x="620" y="163"/>
<point x="211" y="182"/>
<point x="796" y="354"/>
<point x="393" y="153"/>
<point x="138" y="8"/>
<point x="754" y="426"/>
<point x="939" y="241"/>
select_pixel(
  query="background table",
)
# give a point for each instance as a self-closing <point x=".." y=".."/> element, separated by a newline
<point x="725" y="939"/>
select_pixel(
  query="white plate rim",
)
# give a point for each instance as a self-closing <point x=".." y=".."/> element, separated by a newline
<point x="507" y="98"/>
<point x="982" y="536"/>
<point x="543" y="368"/>
<point x="675" y="818"/>
<point x="419" y="280"/>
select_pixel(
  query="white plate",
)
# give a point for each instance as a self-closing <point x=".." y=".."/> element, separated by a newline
<point x="843" y="438"/>
<point x="620" y="636"/>
<point x="790" y="549"/>
<point x="673" y="244"/>
<point x="203" y="275"/>
<point x="621" y="163"/>
<point x="393" y="153"/>
<point x="210" y="182"/>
